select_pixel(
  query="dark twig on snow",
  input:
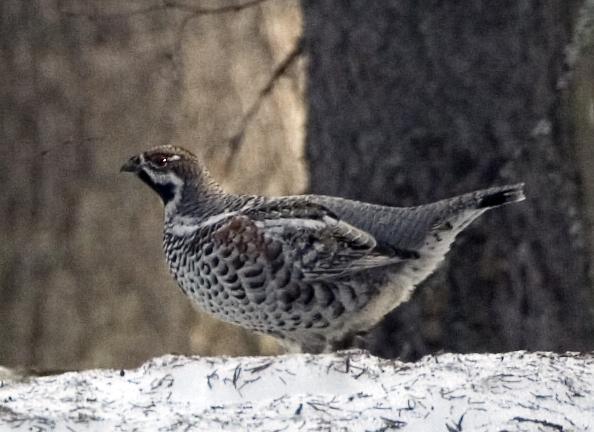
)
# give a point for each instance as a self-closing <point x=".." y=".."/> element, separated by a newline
<point x="211" y="376"/>
<point x="456" y="427"/>
<point x="540" y="422"/>
<point x="249" y="381"/>
<point x="392" y="424"/>
<point x="165" y="381"/>
<point x="259" y="368"/>
<point x="236" y="374"/>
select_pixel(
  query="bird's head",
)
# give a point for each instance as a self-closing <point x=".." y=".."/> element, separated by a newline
<point x="168" y="171"/>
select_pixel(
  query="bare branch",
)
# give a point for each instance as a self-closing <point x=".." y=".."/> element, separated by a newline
<point x="217" y="10"/>
<point x="237" y="139"/>
<point x="166" y="5"/>
<point x="194" y="11"/>
<point x="115" y="14"/>
<point x="58" y="146"/>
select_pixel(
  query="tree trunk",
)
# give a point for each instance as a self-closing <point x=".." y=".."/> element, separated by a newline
<point x="410" y="102"/>
<point x="83" y="281"/>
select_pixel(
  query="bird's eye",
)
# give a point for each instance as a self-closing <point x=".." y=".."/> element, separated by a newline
<point x="160" y="161"/>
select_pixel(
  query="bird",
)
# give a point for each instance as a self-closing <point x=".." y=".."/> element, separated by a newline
<point x="315" y="272"/>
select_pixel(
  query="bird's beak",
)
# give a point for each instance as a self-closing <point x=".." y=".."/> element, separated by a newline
<point x="133" y="165"/>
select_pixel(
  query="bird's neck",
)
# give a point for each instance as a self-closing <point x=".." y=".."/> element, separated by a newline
<point x="195" y="202"/>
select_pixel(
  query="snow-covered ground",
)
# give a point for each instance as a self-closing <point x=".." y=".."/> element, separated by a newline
<point x="345" y="391"/>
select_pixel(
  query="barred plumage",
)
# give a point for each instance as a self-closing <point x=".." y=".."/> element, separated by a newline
<point x="311" y="270"/>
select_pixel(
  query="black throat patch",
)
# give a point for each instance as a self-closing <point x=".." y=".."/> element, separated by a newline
<point x="166" y="191"/>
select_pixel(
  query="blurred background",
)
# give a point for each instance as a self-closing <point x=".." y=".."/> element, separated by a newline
<point x="394" y="102"/>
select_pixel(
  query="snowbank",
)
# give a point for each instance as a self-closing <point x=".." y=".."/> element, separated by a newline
<point x="345" y="391"/>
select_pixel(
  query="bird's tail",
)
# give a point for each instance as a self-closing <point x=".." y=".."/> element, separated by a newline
<point x="497" y="196"/>
<point x="461" y="210"/>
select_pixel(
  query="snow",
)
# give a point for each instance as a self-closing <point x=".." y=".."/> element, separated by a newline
<point x="351" y="390"/>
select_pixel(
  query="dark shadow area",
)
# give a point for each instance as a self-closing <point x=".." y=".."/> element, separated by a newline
<point x="412" y="102"/>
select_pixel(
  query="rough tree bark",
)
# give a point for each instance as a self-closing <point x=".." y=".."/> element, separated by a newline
<point x="410" y="102"/>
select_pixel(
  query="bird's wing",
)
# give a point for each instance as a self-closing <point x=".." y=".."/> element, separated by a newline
<point x="411" y="227"/>
<point x="310" y="237"/>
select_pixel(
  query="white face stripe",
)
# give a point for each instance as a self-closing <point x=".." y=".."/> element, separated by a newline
<point x="211" y="220"/>
<point x="159" y="177"/>
<point x="183" y="225"/>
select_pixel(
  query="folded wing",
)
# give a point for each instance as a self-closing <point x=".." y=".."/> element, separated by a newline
<point x="319" y="245"/>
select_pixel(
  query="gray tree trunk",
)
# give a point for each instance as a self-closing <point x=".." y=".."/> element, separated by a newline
<point x="411" y="102"/>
